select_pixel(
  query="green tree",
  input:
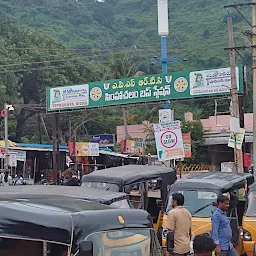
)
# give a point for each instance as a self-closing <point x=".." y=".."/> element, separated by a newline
<point x="195" y="128"/>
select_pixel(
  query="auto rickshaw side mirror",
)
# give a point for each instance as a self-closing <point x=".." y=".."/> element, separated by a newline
<point x="86" y="248"/>
<point x="214" y="204"/>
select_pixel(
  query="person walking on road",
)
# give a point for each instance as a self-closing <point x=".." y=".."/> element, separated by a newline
<point x="221" y="229"/>
<point x="203" y="245"/>
<point x="179" y="223"/>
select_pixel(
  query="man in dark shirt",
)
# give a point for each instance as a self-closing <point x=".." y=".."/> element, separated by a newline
<point x="69" y="180"/>
<point x="203" y="245"/>
<point x="221" y="230"/>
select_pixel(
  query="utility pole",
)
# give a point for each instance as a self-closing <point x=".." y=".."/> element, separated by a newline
<point x="254" y="82"/>
<point x="253" y="46"/>
<point x="54" y="147"/>
<point x="6" y="137"/>
<point x="238" y="155"/>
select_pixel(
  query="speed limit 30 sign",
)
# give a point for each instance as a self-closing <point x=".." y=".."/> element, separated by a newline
<point x="169" y="139"/>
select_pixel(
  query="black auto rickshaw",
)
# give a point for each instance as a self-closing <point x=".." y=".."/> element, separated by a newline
<point x="63" y="226"/>
<point x="114" y="199"/>
<point x="128" y="178"/>
<point x="201" y="190"/>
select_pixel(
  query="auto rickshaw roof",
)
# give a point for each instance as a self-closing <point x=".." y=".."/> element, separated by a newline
<point x="61" y="219"/>
<point x="104" y="197"/>
<point x="252" y="187"/>
<point x="131" y="174"/>
<point x="213" y="181"/>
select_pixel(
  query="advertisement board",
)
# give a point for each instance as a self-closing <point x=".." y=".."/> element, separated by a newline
<point x="139" y="145"/>
<point x="236" y="139"/>
<point x="169" y="141"/>
<point x="187" y="145"/>
<point x="20" y="155"/>
<point x="104" y="140"/>
<point x="127" y="146"/>
<point x="173" y="86"/>
<point x="83" y="149"/>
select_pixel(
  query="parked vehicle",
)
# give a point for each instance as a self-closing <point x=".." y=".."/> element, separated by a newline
<point x="65" y="226"/>
<point x="114" y="199"/>
<point x="201" y="191"/>
<point x="124" y="178"/>
<point x="249" y="222"/>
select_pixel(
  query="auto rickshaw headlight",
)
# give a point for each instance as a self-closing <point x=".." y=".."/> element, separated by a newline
<point x="247" y="235"/>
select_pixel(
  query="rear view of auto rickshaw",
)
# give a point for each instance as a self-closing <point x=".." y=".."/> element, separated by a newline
<point x="201" y="190"/>
<point x="64" y="226"/>
<point x="129" y="177"/>
<point x="113" y="199"/>
<point x="249" y="222"/>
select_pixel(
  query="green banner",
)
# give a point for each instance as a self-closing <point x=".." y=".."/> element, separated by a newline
<point x="173" y="86"/>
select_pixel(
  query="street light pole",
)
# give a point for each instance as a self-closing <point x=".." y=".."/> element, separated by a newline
<point x="4" y="113"/>
<point x="163" y="31"/>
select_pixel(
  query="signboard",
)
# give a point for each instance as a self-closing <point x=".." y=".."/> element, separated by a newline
<point x="209" y="82"/>
<point x="72" y="148"/>
<point x="239" y="138"/>
<point x="104" y="140"/>
<point x="128" y="146"/>
<point x="139" y="145"/>
<point x="178" y="85"/>
<point x="84" y="149"/>
<point x="20" y="155"/>
<point x="228" y="167"/>
<point x="165" y="116"/>
<point x="169" y="142"/>
<point x="68" y="161"/>
<point x="187" y="145"/>
<point x="12" y="159"/>
<point x="87" y="149"/>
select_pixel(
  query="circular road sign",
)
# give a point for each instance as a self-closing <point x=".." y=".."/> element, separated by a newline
<point x="169" y="139"/>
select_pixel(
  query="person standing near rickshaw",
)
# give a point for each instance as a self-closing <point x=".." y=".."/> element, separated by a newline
<point x="221" y="229"/>
<point x="179" y="223"/>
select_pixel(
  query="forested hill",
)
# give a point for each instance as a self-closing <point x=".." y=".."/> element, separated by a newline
<point x="198" y="28"/>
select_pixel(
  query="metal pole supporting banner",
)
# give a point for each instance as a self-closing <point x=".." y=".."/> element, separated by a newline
<point x="164" y="62"/>
<point x="164" y="54"/>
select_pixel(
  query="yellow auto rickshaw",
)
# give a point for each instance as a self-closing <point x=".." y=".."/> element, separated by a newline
<point x="200" y="191"/>
<point x="249" y="222"/>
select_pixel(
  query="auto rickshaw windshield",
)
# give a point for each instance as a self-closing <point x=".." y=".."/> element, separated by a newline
<point x="126" y="242"/>
<point x="198" y="203"/>
<point x="251" y="205"/>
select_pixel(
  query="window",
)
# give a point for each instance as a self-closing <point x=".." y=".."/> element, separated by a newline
<point x="199" y="203"/>
<point x="125" y="242"/>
